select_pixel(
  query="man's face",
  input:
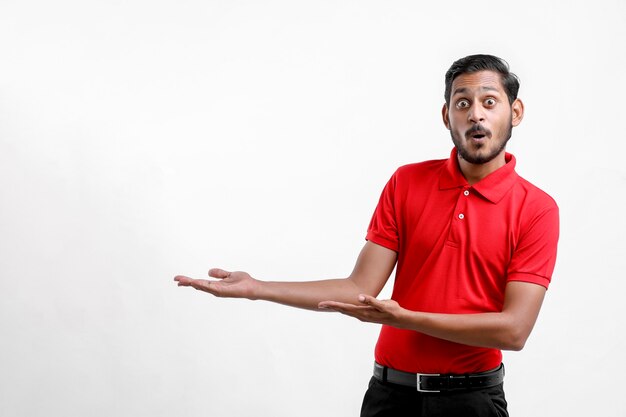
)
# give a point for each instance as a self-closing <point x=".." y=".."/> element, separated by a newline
<point x="479" y="116"/>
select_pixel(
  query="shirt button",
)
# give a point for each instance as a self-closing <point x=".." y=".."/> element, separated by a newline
<point x="461" y="216"/>
<point x="465" y="193"/>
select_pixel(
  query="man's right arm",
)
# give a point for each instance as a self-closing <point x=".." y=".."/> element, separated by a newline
<point x="371" y="271"/>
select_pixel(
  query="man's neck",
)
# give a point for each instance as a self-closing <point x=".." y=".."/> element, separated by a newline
<point x="476" y="172"/>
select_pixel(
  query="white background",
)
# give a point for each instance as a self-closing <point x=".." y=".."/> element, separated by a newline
<point x="144" y="139"/>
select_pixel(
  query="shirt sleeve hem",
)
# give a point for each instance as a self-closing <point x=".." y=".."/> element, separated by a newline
<point x="529" y="277"/>
<point x="389" y="244"/>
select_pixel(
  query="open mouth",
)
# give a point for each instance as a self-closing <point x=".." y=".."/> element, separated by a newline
<point x="477" y="133"/>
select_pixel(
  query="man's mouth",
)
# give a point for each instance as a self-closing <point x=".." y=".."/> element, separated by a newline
<point x="477" y="133"/>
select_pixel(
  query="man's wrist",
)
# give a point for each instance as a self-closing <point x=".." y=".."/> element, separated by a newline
<point x="258" y="290"/>
<point x="408" y="319"/>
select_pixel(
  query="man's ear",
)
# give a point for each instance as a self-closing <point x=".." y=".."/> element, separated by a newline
<point x="517" y="112"/>
<point x="444" y="116"/>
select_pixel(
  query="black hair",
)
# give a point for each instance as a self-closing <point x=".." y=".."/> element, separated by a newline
<point x="476" y="63"/>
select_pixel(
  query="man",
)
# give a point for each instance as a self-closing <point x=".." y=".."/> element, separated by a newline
<point x="475" y="247"/>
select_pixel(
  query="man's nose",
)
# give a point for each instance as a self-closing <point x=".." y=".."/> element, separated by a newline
<point x="476" y="114"/>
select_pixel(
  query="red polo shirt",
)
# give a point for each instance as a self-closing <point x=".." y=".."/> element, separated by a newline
<point x="458" y="245"/>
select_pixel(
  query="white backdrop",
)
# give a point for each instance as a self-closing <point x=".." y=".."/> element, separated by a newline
<point x="144" y="139"/>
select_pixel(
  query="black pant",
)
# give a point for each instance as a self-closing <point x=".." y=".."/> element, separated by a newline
<point x="384" y="399"/>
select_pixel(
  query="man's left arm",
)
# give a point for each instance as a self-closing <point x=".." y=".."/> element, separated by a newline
<point x="507" y="330"/>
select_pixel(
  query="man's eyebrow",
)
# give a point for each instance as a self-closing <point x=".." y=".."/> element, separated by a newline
<point x="462" y="90"/>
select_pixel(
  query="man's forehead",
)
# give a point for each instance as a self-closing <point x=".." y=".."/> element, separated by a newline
<point x="477" y="81"/>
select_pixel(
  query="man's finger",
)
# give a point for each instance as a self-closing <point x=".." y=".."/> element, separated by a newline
<point x="218" y="273"/>
<point x="342" y="307"/>
<point x="337" y="308"/>
<point x="334" y="305"/>
<point x="204" y="285"/>
<point x="201" y="284"/>
<point x="370" y="301"/>
<point x="198" y="284"/>
<point x="183" y="280"/>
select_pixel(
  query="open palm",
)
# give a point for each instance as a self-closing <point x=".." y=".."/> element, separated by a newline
<point x="235" y="284"/>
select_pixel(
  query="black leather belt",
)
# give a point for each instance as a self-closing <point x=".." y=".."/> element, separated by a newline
<point x="440" y="382"/>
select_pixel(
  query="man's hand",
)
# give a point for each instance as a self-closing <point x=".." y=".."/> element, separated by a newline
<point x="371" y="310"/>
<point x="508" y="329"/>
<point x="372" y="269"/>
<point x="229" y="284"/>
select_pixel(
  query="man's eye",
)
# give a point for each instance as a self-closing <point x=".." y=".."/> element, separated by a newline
<point x="462" y="104"/>
<point x="490" y="102"/>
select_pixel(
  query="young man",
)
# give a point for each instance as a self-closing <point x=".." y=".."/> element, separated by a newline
<point x="475" y="247"/>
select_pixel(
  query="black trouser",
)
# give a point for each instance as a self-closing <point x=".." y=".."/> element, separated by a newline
<point x="384" y="399"/>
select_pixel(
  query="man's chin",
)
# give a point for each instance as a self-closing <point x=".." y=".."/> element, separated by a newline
<point x="478" y="157"/>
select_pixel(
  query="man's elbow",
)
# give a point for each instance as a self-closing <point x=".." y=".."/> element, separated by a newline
<point x="515" y="340"/>
<point x="515" y="346"/>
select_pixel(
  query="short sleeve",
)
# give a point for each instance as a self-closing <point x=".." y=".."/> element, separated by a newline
<point x="534" y="256"/>
<point x="383" y="228"/>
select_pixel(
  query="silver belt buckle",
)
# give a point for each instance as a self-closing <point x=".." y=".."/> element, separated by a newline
<point x="419" y="383"/>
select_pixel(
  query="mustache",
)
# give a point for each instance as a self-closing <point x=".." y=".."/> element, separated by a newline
<point x="478" y="128"/>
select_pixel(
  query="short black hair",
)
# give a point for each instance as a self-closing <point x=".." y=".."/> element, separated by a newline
<point x="476" y="63"/>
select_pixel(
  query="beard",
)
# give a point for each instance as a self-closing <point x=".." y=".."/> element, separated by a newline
<point x="473" y="157"/>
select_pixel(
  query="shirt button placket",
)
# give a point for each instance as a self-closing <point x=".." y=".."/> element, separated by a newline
<point x="456" y="234"/>
<point x="466" y="193"/>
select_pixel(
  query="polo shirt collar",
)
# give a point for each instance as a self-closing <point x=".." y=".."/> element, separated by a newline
<point x="493" y="187"/>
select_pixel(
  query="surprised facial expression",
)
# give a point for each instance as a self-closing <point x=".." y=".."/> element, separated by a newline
<point x="480" y="117"/>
